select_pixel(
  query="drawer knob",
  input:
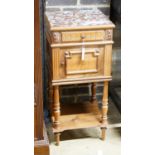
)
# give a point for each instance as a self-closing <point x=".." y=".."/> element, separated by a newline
<point x="83" y="37"/>
<point x="62" y="63"/>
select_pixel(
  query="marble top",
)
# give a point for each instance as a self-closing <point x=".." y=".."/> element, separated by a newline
<point x="77" y="17"/>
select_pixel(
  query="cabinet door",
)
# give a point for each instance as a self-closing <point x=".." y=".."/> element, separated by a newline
<point x="74" y="63"/>
<point x="68" y="63"/>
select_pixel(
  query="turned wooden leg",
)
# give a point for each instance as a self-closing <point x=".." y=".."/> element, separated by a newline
<point x="57" y="138"/>
<point x="103" y="130"/>
<point x="93" y="90"/>
<point x="104" y="108"/>
<point x="56" y="106"/>
<point x="56" y="111"/>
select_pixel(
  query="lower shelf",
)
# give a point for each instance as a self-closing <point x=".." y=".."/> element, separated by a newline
<point x="76" y="116"/>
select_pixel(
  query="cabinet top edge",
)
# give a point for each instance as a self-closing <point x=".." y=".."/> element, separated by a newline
<point x="82" y="28"/>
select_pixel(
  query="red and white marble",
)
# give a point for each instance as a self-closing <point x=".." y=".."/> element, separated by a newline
<point x="77" y="17"/>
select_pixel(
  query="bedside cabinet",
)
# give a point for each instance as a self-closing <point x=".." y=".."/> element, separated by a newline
<point x="79" y="50"/>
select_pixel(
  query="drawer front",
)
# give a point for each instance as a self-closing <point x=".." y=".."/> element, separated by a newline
<point x="72" y="65"/>
<point x="79" y="36"/>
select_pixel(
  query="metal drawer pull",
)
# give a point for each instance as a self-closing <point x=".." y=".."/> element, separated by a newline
<point x="96" y="52"/>
<point x="68" y="54"/>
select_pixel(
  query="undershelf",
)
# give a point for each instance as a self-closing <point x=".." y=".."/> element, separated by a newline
<point x="84" y="115"/>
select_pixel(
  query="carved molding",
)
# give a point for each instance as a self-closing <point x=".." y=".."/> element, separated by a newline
<point x="67" y="54"/>
<point x="56" y="37"/>
<point x="108" y="34"/>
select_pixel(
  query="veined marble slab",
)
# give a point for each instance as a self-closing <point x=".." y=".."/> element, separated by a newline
<point x="77" y="17"/>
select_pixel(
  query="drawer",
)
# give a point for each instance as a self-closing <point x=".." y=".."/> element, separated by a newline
<point x="79" y="36"/>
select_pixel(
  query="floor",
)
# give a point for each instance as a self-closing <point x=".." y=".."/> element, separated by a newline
<point x="89" y="144"/>
<point x="87" y="141"/>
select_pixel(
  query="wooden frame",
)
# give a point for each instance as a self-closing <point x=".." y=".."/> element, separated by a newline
<point x="41" y="145"/>
<point x="38" y="73"/>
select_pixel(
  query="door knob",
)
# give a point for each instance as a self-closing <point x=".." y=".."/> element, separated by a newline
<point x="62" y="63"/>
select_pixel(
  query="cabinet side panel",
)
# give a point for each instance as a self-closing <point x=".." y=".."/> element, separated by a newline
<point x="107" y="60"/>
<point x="55" y="62"/>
